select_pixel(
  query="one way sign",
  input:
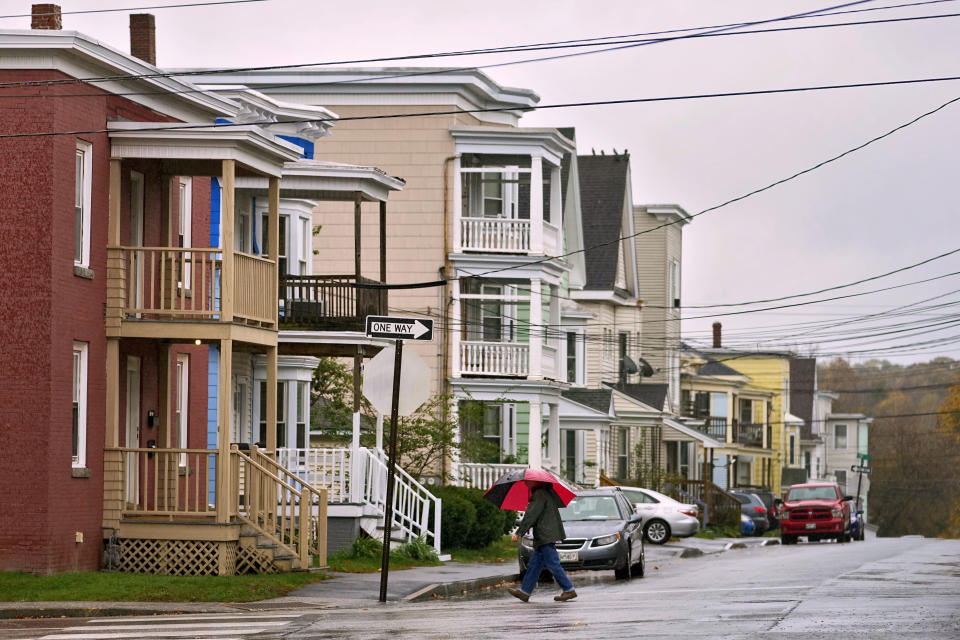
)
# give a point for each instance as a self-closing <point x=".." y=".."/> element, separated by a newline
<point x="399" y="328"/>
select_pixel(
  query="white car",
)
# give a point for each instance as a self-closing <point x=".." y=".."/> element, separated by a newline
<point x="662" y="515"/>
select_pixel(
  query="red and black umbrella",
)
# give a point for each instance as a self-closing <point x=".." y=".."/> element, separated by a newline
<point x="510" y="492"/>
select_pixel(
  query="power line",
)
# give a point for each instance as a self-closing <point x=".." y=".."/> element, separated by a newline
<point x="156" y="6"/>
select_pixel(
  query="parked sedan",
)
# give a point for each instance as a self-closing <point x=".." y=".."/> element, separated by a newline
<point x="856" y="521"/>
<point x="662" y="515"/>
<point x="752" y="507"/>
<point x="602" y="531"/>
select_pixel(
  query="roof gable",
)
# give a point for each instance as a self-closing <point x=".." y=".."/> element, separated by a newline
<point x="603" y="191"/>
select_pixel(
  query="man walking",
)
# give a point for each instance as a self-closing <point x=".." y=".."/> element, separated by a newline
<point x="544" y="516"/>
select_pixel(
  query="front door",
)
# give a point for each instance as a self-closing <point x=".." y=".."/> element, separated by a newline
<point x="133" y="429"/>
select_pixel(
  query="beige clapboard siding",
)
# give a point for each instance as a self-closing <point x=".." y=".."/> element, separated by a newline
<point x="417" y="150"/>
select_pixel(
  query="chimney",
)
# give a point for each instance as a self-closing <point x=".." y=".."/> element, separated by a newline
<point x="717" y="343"/>
<point x="143" y="39"/>
<point x="46" y="16"/>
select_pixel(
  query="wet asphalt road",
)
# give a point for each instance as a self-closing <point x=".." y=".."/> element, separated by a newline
<point x="881" y="588"/>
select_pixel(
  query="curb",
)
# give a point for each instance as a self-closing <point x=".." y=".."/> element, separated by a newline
<point x="13" y="610"/>
<point x="457" y="588"/>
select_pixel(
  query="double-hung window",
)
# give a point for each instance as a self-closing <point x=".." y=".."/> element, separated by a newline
<point x="83" y="175"/>
<point x="574" y="358"/>
<point x="840" y="436"/>
<point x="79" y="439"/>
<point x="182" y="404"/>
<point x="184" y="226"/>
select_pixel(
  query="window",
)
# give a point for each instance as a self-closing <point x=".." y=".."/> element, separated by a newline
<point x="744" y="472"/>
<point x="623" y="344"/>
<point x="793" y="450"/>
<point x="282" y="243"/>
<point x="807" y="464"/>
<point x="622" y="453"/>
<point x="675" y="283"/>
<point x="304" y="245"/>
<point x="746" y="411"/>
<point x="241" y="433"/>
<point x="281" y="414"/>
<point x="79" y="450"/>
<point x="840" y="436"/>
<point x="303" y="410"/>
<point x="241" y="228"/>
<point x="181" y="412"/>
<point x="185" y="222"/>
<point x="841" y="475"/>
<point x="574" y="358"/>
<point x="83" y="176"/>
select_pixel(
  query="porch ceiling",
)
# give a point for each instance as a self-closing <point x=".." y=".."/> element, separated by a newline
<point x="319" y="180"/>
<point x="201" y="150"/>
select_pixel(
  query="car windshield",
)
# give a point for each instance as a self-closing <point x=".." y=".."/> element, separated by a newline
<point x="812" y="493"/>
<point x="590" y="508"/>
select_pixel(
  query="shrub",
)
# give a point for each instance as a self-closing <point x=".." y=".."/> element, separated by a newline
<point x="457" y="517"/>
<point x="417" y="549"/>
<point x="367" y="547"/>
<point x="487" y="523"/>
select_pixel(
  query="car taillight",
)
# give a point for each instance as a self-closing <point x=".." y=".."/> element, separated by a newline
<point x="689" y="512"/>
<point x="760" y="509"/>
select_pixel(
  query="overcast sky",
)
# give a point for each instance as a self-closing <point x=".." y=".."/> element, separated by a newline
<point x="887" y="206"/>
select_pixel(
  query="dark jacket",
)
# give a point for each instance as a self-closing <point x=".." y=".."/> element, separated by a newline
<point x="544" y="516"/>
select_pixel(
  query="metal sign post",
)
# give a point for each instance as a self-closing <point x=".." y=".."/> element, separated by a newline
<point x="860" y="469"/>
<point x="391" y="466"/>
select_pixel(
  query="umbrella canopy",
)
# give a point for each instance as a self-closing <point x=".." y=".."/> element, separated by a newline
<point x="510" y="491"/>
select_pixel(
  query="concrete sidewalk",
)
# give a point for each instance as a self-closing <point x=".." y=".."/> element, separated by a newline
<point x="346" y="590"/>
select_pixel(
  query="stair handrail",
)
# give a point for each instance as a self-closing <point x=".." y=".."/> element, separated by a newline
<point x="317" y="541"/>
<point x="412" y="518"/>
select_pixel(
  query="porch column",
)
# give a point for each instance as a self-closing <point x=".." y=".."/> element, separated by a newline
<point x="112" y="421"/>
<point x="271" y="407"/>
<point x="536" y="331"/>
<point x="383" y="242"/>
<point x="455" y="452"/>
<point x="455" y="326"/>
<point x="356" y="470"/>
<point x="273" y="206"/>
<point x="457" y="206"/>
<point x="553" y="437"/>
<point x="556" y="202"/>
<point x="226" y="242"/>
<point x="224" y="420"/>
<point x="534" y="442"/>
<point x="536" y="205"/>
<point x="357" y="201"/>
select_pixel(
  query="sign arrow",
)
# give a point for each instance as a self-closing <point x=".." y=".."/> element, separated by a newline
<point x="399" y="328"/>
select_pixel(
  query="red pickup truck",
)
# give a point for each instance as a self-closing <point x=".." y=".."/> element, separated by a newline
<point x="818" y="511"/>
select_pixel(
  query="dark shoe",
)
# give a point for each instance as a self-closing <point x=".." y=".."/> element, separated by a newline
<point x="566" y="595"/>
<point x="516" y="593"/>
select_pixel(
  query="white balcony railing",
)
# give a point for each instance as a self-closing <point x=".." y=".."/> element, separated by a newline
<point x="502" y="235"/>
<point x="494" y="359"/>
<point x="481" y="475"/>
<point x="551" y="240"/>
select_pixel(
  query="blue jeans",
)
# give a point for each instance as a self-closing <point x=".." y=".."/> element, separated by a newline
<point x="545" y="555"/>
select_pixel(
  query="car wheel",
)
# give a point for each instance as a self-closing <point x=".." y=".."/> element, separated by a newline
<point x="639" y="568"/>
<point x="788" y="539"/>
<point x="627" y="572"/>
<point x="656" y="531"/>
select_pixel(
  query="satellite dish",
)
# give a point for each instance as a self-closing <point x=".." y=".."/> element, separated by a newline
<point x="629" y="366"/>
<point x="645" y="369"/>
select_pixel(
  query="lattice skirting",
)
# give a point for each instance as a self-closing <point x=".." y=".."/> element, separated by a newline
<point x="177" y="557"/>
<point x="250" y="559"/>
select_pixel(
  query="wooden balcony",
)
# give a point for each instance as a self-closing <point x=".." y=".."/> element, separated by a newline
<point x="750" y="434"/>
<point x="328" y="303"/>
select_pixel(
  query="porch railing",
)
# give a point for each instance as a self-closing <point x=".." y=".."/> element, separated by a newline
<point x="551" y="240"/>
<point x="509" y="359"/>
<point x="413" y="503"/>
<point x="714" y="427"/>
<point x="166" y="483"/>
<point x="722" y="508"/>
<point x="279" y="505"/>
<point x="502" y="235"/>
<point x="185" y="283"/>
<point x="329" y="301"/>
<point x="480" y="475"/>
<point x="750" y="434"/>
<point x="320" y="467"/>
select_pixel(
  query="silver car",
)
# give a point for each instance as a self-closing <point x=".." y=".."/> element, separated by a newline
<point x="662" y="515"/>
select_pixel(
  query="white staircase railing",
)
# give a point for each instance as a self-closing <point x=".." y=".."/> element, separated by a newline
<point x="481" y="475"/>
<point x="333" y="470"/>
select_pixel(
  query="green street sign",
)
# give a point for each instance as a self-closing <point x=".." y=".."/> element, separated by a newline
<point x="863" y="456"/>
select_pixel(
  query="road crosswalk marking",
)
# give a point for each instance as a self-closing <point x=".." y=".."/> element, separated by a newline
<point x="219" y="626"/>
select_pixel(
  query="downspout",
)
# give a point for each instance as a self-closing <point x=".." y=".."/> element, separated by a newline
<point x="443" y="309"/>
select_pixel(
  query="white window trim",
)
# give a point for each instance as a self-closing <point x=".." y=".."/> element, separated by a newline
<point x="846" y="437"/>
<point x="185" y="225"/>
<point x="183" y="403"/>
<point x="81" y="352"/>
<point x="580" y="355"/>
<point x="86" y="149"/>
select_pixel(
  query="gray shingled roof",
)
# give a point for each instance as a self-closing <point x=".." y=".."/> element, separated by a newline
<point x="598" y="399"/>
<point x="652" y="395"/>
<point x="603" y="184"/>
<point x="714" y="368"/>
